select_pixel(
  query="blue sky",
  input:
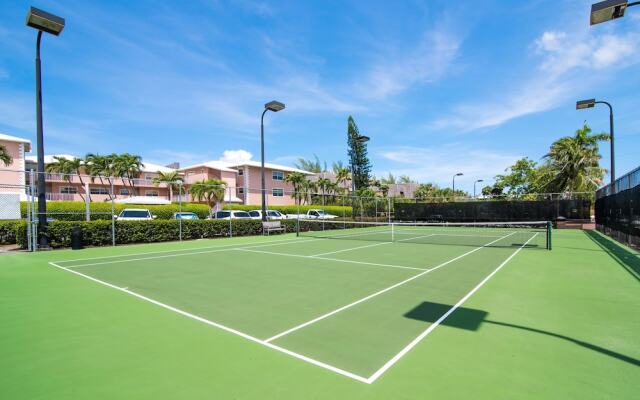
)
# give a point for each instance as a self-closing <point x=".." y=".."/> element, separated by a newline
<point x="439" y="86"/>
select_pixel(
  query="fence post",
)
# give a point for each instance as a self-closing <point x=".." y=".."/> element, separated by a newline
<point x="179" y="209"/>
<point x="34" y="216"/>
<point x="87" y="202"/>
<point x="113" y="219"/>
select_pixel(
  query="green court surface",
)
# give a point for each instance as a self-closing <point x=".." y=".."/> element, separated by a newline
<point x="442" y="314"/>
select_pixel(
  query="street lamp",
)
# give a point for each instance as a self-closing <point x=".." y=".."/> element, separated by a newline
<point x="454" y="183"/>
<point x="274" y="106"/>
<point x="43" y="22"/>
<point x="610" y="9"/>
<point x="581" y="105"/>
<point x="474" y="187"/>
<point x="360" y="140"/>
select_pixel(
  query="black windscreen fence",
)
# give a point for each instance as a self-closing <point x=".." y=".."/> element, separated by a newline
<point x="618" y="209"/>
<point x="494" y="210"/>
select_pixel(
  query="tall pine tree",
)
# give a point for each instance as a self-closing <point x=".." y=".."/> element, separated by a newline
<point x="358" y="160"/>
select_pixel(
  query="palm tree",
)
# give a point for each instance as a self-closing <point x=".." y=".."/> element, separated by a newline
<point x="99" y="166"/>
<point x="574" y="162"/>
<point x="308" y="187"/>
<point x="310" y="165"/>
<point x="67" y="168"/>
<point x="323" y="184"/>
<point x="343" y="174"/>
<point x="129" y="166"/>
<point x="296" y="179"/>
<point x="210" y="191"/>
<point x="172" y="179"/>
<point x="5" y="157"/>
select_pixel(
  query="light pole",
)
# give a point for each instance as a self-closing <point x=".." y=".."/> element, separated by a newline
<point x="474" y="187"/>
<point x="454" y="184"/>
<point x="582" y="104"/>
<point x="610" y="9"/>
<point x="43" y="22"/>
<point x="359" y="140"/>
<point x="274" y="106"/>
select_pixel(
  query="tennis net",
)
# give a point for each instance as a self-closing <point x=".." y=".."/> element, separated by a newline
<point x="489" y="234"/>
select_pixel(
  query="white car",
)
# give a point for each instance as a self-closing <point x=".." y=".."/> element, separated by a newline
<point x="135" y="214"/>
<point x="271" y="214"/>
<point x="313" y="214"/>
<point x="231" y="214"/>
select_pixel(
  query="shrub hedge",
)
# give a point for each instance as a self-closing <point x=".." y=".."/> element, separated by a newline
<point x="10" y="231"/>
<point x="74" y="210"/>
<point x="98" y="233"/>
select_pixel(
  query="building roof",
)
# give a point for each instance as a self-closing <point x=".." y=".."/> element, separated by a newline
<point x="219" y="165"/>
<point x="9" y="138"/>
<point x="270" y="166"/>
<point x="147" y="166"/>
<point x="48" y="159"/>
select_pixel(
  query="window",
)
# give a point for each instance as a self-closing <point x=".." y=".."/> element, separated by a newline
<point x="240" y="190"/>
<point x="241" y="172"/>
<point x="153" y="193"/>
<point x="124" y="192"/>
<point x="223" y="214"/>
<point x="277" y="175"/>
<point x="277" y="192"/>
<point x="255" y="214"/>
<point x="98" y="190"/>
<point x="148" y="177"/>
<point x="68" y="190"/>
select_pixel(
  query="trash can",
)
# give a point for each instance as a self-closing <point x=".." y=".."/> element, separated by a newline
<point x="76" y="238"/>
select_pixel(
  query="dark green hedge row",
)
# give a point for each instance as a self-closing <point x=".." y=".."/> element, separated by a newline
<point x="74" y="210"/>
<point x="98" y="233"/>
<point x="10" y="231"/>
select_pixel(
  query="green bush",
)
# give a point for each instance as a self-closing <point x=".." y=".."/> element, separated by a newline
<point x="98" y="233"/>
<point x="75" y="210"/>
<point x="13" y="231"/>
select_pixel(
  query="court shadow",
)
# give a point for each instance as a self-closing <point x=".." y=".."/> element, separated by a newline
<point x="471" y="319"/>
<point x="626" y="258"/>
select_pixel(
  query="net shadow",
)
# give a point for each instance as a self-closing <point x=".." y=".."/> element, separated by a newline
<point x="471" y="319"/>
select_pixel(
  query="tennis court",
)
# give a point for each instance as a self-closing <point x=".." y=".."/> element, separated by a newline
<point x="352" y="298"/>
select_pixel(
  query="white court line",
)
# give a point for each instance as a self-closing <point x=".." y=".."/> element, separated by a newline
<point x="326" y="258"/>
<point x="220" y="326"/>
<point x="369" y="297"/>
<point x="216" y="249"/>
<point x="433" y="326"/>
<point x="369" y="245"/>
<point x="177" y="250"/>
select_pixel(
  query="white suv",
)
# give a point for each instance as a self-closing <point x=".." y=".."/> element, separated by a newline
<point x="231" y="214"/>
<point x="135" y="214"/>
<point x="271" y="214"/>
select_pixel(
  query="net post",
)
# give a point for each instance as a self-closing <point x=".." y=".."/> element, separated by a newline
<point x="549" y="230"/>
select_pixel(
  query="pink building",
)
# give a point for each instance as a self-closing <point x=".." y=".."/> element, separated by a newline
<point x="278" y="191"/>
<point x="12" y="179"/>
<point x="213" y="170"/>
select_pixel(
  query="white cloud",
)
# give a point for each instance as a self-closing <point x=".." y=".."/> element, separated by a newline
<point x="236" y="156"/>
<point x="568" y="64"/>
<point x="430" y="60"/>
<point x="439" y="164"/>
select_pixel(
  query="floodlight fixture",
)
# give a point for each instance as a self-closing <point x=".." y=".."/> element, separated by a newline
<point x="44" y="21"/>
<point x="608" y="10"/>
<point x="582" y="104"/>
<point x="274" y="106"/>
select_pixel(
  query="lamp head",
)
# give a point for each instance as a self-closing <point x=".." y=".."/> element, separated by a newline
<point x="582" y="104"/>
<point x="607" y="10"/>
<point x="274" y="106"/>
<point x="43" y="21"/>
